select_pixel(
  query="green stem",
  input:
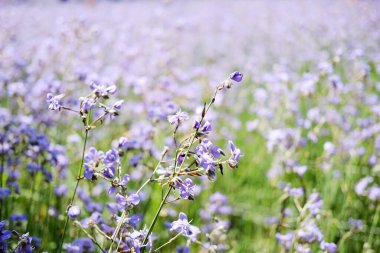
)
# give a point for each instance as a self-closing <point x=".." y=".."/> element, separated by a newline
<point x="75" y="190"/>
<point x="374" y="224"/>
<point x="168" y="242"/>
<point x="1" y="185"/>
<point x="155" y="219"/>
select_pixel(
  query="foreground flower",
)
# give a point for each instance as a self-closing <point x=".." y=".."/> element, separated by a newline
<point x="130" y="201"/>
<point x="74" y="212"/>
<point x="183" y="226"/>
<point x="235" y="155"/>
<point x="24" y="244"/>
<point x="112" y="158"/>
<point x="54" y="101"/>
<point x="4" y="235"/>
<point x="236" y="76"/>
<point x="186" y="189"/>
<point x="178" y="118"/>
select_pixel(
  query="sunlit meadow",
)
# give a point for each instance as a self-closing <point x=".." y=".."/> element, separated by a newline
<point x="189" y="126"/>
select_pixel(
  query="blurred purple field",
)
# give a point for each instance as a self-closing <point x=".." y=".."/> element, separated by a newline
<point x="190" y="126"/>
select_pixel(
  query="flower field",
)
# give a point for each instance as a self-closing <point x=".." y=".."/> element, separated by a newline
<point x="190" y="126"/>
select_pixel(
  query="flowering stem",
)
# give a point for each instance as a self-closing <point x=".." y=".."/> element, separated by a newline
<point x="144" y="184"/>
<point x="75" y="190"/>
<point x="205" y="110"/>
<point x="155" y="218"/>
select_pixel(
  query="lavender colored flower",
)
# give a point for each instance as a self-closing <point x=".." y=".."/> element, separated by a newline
<point x="236" y="76"/>
<point x="178" y="118"/>
<point x="73" y="212"/>
<point x="314" y="203"/>
<point x="204" y="128"/>
<point x="18" y="218"/>
<point x="117" y="105"/>
<point x="103" y="91"/>
<point x="309" y="233"/>
<point x="235" y="155"/>
<point x="183" y="226"/>
<point x="186" y="189"/>
<point x="80" y="245"/>
<point x="95" y="217"/>
<point x="285" y="240"/>
<point x="109" y="172"/>
<point x="4" y="192"/>
<point x="93" y="156"/>
<point x="132" y="200"/>
<point x="374" y="193"/>
<point x="125" y="179"/>
<point x="296" y="192"/>
<point x="300" y="170"/>
<point x="60" y="190"/>
<point x="360" y="187"/>
<point x="88" y="171"/>
<point x="355" y="224"/>
<point x="111" y="158"/>
<point x="328" y="247"/>
<point x="180" y="159"/>
<point x="54" y="102"/>
<point x="87" y="103"/>
<point x="329" y="148"/>
<point x="135" y="240"/>
<point x="134" y="160"/>
<point x="4" y="236"/>
<point x="24" y="244"/>
<point x="183" y="249"/>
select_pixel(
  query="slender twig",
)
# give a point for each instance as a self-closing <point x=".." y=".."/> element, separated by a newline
<point x="168" y="242"/>
<point x="374" y="224"/>
<point x="155" y="218"/>
<point x="69" y="109"/>
<point x="75" y="190"/>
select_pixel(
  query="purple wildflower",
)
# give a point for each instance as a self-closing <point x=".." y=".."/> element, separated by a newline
<point x="111" y="158"/>
<point x="131" y="200"/>
<point x="87" y="103"/>
<point x="285" y="240"/>
<point x="73" y="212"/>
<point x="183" y="226"/>
<point x="186" y="189"/>
<point x="54" y="101"/>
<point x="24" y="244"/>
<point x="4" y="193"/>
<point x="360" y="187"/>
<point x="178" y="118"/>
<point x="60" y="190"/>
<point x="4" y="235"/>
<point x="328" y="247"/>
<point x="236" y="76"/>
<point x="235" y="155"/>
<point x="93" y="156"/>
<point x="80" y="245"/>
